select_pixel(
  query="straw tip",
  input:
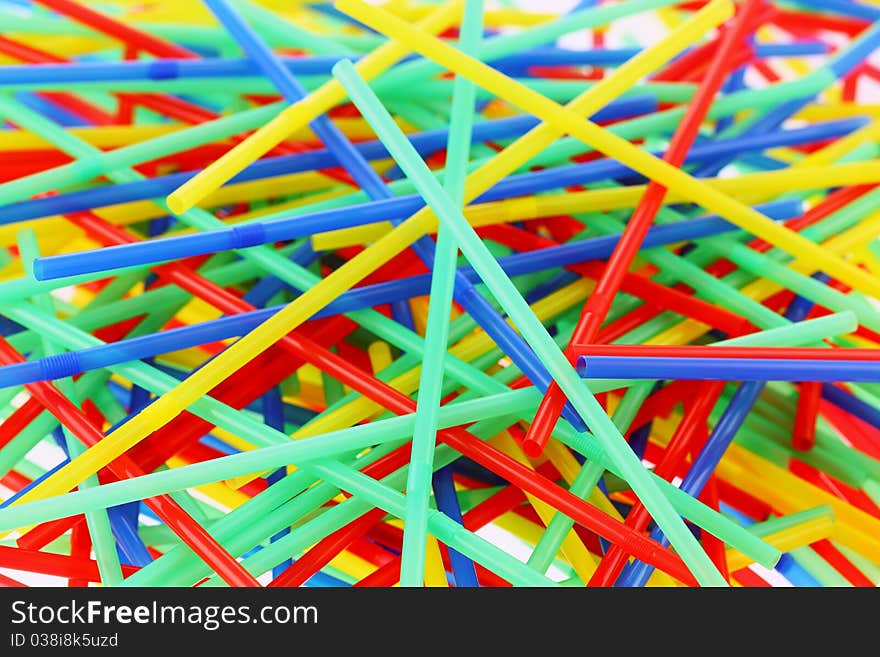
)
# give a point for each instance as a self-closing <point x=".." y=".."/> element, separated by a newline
<point x="176" y="203"/>
<point x="533" y="448"/>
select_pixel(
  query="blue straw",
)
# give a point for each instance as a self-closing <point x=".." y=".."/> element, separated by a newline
<point x="801" y="306"/>
<point x="841" y="64"/>
<point x="795" y="573"/>
<point x="20" y="492"/>
<point x="844" y="7"/>
<point x="851" y="404"/>
<point x="425" y="142"/>
<point x="270" y="65"/>
<point x="157" y="69"/>
<point x="47" y="108"/>
<point x="727" y="369"/>
<point x="551" y="257"/>
<point x="550" y="56"/>
<point x="128" y="543"/>
<point x="739" y="407"/>
<point x="735" y="82"/>
<point x="270" y="285"/>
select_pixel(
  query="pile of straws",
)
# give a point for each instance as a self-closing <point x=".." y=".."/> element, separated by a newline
<point x="440" y="294"/>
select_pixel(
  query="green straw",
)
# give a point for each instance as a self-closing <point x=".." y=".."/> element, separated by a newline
<point x="818" y="568"/>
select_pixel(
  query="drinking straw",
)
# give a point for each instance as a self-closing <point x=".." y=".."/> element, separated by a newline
<point x="791" y="531"/>
<point x="167" y="472"/>
<point x="426" y="141"/>
<point x="227" y="67"/>
<point x="443" y="279"/>
<point x="724" y="350"/>
<point x="710" y="454"/>
<point x="168" y="509"/>
<point x="159" y="69"/>
<point x="98" y="522"/>
<point x="81" y="171"/>
<point x="515" y="306"/>
<point x="613" y="199"/>
<point x="460" y="447"/>
<point x="103" y="23"/>
<point x="263" y="232"/>
<point x="293" y="91"/>
<point x="464" y="572"/>
<point x="586" y="480"/>
<point x="272" y="133"/>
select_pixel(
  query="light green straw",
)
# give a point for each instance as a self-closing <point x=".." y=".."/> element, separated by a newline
<point x="418" y="484"/>
<point x="781" y="523"/>
<point x="533" y="331"/>
<point x="288" y="500"/>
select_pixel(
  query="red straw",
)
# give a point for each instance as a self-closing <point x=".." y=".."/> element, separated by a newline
<point x="48" y="563"/>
